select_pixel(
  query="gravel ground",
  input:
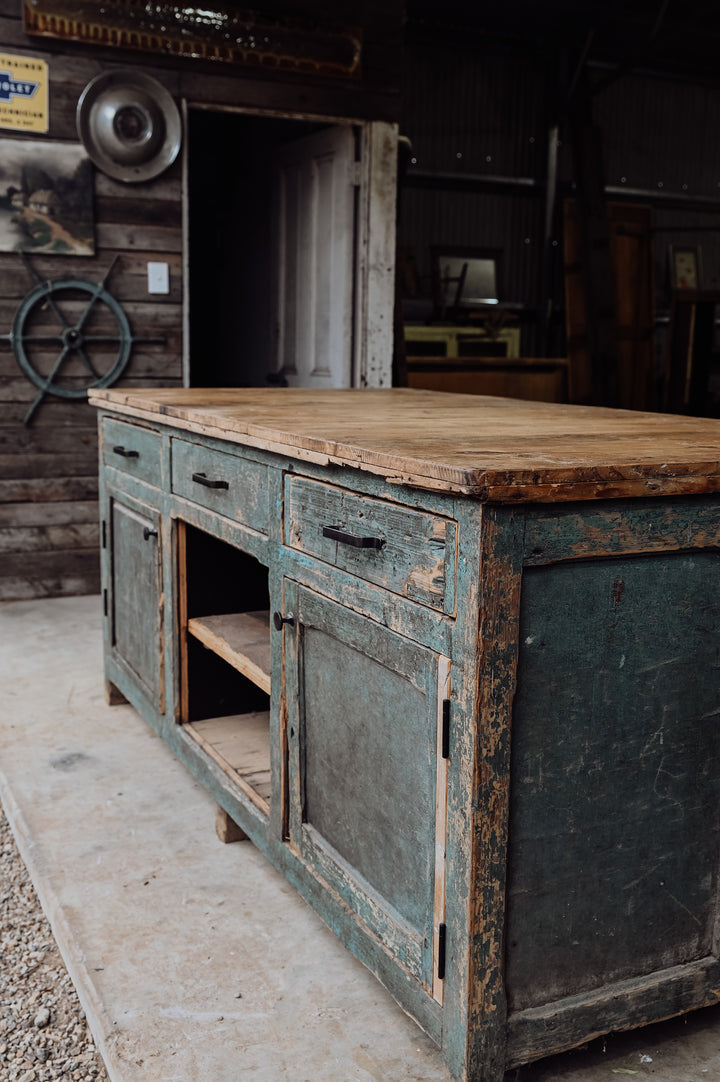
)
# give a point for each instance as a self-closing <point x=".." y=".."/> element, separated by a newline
<point x="43" y="1031"/>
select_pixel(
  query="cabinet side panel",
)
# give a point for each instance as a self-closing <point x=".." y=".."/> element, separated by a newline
<point x="614" y="821"/>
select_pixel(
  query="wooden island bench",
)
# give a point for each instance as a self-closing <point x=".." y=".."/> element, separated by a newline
<point x="453" y="664"/>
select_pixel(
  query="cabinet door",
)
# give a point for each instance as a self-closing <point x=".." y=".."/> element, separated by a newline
<point x="367" y="786"/>
<point x="135" y="610"/>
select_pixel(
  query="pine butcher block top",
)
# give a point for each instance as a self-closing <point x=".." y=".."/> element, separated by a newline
<point x="496" y="449"/>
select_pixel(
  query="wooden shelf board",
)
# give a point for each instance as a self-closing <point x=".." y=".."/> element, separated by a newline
<point x="240" y="745"/>
<point x="240" y="638"/>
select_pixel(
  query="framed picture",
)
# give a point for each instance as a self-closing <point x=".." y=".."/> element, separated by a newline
<point x="46" y="198"/>
<point x="685" y="267"/>
<point x="466" y="277"/>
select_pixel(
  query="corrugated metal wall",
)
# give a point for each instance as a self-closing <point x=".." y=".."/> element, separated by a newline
<point x="663" y="136"/>
<point x="473" y="114"/>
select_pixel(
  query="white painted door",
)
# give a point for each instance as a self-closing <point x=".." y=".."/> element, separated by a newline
<point x="315" y="218"/>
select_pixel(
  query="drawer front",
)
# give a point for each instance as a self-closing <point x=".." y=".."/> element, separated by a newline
<point x="132" y="449"/>
<point x="411" y="553"/>
<point x="229" y="484"/>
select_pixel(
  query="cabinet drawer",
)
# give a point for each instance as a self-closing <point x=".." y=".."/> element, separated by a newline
<point x="135" y="450"/>
<point x="411" y="553"/>
<point x="229" y="484"/>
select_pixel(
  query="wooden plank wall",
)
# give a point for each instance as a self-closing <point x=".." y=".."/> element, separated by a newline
<point x="48" y="469"/>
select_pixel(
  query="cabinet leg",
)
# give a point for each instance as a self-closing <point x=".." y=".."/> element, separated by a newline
<point x="113" y="695"/>
<point x="227" y="829"/>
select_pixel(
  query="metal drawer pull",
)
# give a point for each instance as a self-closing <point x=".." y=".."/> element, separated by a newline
<point x="203" y="479"/>
<point x="279" y="620"/>
<point x="350" y="539"/>
<point x="147" y="533"/>
<point x="124" y="453"/>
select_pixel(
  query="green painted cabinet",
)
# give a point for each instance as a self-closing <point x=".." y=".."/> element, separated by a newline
<point x="365" y="721"/>
<point x="453" y="664"/>
<point x="133" y="598"/>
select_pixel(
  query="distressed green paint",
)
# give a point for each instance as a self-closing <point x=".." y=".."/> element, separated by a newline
<point x="567" y="1023"/>
<point x="367" y="736"/>
<point x="615" y="821"/>
<point x="500" y="577"/>
<point x="494" y="558"/>
<point x="579" y="531"/>
<point x="417" y="552"/>
<point x="245" y="499"/>
<point x="135" y="608"/>
<point x="134" y="450"/>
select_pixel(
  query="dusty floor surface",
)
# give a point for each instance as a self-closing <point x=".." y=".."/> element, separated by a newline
<point x="44" y="1035"/>
<point x="102" y="808"/>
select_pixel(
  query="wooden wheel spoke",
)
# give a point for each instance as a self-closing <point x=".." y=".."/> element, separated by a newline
<point x="42" y="339"/>
<point x="87" y="362"/>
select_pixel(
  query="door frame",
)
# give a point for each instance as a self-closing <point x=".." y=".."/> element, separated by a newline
<point x="375" y="233"/>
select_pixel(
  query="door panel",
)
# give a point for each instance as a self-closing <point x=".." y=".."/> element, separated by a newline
<point x="136" y="627"/>
<point x="362" y="706"/>
<point x="315" y="221"/>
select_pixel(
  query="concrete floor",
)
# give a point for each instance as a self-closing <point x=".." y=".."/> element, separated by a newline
<point x="195" y="961"/>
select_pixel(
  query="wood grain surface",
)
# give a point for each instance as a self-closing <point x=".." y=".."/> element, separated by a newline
<point x="242" y="639"/>
<point x="498" y="449"/>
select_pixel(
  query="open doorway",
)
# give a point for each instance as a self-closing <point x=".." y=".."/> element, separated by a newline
<point x="272" y="246"/>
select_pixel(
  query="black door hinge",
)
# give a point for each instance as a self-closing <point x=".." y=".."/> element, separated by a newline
<point x="105" y="607"/>
<point x="442" y="940"/>
<point x="445" y="750"/>
<point x="104" y="534"/>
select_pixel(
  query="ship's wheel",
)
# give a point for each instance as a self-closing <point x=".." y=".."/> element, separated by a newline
<point x="69" y="335"/>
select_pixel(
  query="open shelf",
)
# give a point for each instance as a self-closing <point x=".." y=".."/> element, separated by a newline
<point x="225" y="659"/>
<point x="240" y="638"/>
<point x="240" y="745"/>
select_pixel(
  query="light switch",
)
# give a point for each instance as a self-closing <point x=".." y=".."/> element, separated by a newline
<point x="158" y="278"/>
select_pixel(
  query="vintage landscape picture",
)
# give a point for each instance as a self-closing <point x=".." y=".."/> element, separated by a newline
<point x="45" y="198"/>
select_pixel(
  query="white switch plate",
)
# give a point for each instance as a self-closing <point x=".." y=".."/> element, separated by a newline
<point x="158" y="278"/>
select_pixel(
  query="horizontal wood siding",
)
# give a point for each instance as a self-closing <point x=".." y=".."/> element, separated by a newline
<point x="49" y="533"/>
<point x="48" y="470"/>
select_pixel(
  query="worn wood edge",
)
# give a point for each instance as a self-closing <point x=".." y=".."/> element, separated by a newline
<point x="674" y="484"/>
<point x="402" y="939"/>
<point x="237" y="779"/>
<point x="555" y="1027"/>
<point x="576" y="535"/>
<point x="543" y="485"/>
<point x="501" y="586"/>
<point x="181" y="618"/>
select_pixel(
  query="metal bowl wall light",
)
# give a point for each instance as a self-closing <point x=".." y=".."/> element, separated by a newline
<point x="129" y="125"/>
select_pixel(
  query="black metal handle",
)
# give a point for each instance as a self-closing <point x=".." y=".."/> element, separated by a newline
<point x="350" y="539"/>
<point x="147" y="533"/>
<point x="279" y="620"/>
<point x="203" y="479"/>
<point x="125" y="454"/>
